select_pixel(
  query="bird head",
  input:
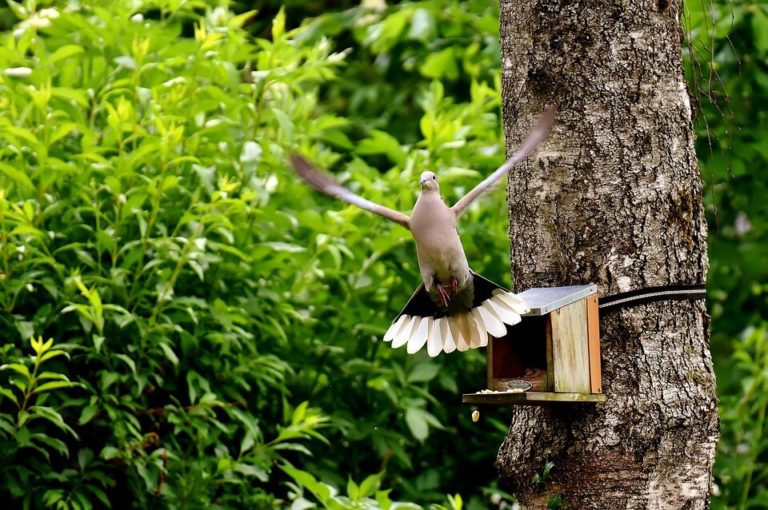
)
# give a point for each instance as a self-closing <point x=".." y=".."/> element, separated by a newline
<point x="428" y="182"/>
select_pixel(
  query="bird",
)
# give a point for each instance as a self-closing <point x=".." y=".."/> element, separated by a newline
<point x="453" y="308"/>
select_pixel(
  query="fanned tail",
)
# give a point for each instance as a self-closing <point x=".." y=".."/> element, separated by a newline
<point x="422" y="322"/>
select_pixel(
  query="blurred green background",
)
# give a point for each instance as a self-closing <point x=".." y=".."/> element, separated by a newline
<point x="186" y="326"/>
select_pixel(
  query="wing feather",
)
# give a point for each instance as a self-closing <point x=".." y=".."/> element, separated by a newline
<point x="324" y="183"/>
<point x="535" y="137"/>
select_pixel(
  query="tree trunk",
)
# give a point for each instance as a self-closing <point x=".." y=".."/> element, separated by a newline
<point x="613" y="197"/>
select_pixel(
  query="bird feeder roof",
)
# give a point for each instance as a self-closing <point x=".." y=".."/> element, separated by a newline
<point x="544" y="300"/>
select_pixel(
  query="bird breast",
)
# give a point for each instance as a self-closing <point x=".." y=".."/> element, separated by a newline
<point x="433" y="226"/>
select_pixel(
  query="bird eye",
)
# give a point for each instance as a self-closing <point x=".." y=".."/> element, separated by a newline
<point x="434" y="177"/>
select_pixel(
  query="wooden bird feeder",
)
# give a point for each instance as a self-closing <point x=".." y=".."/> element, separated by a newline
<point x="554" y="352"/>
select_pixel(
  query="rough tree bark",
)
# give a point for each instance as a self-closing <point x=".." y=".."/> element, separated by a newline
<point x="613" y="197"/>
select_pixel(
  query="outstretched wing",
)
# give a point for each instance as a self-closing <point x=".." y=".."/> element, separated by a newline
<point x="324" y="183"/>
<point x="535" y="137"/>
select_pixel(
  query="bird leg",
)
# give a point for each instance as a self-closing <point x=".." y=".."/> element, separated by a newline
<point x="443" y="294"/>
<point x="446" y="295"/>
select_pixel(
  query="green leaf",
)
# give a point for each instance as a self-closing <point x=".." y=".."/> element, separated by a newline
<point x="442" y="64"/>
<point x="52" y="443"/>
<point x="422" y="25"/>
<point x="456" y="502"/>
<point x="9" y="395"/>
<point x="321" y="491"/>
<point x="52" y="375"/>
<point x="252" y="471"/>
<point x="337" y="138"/>
<point x="88" y="413"/>
<point x="53" y="385"/>
<point x="61" y="131"/>
<point x="423" y="372"/>
<point x="6" y="425"/>
<point x="353" y="491"/>
<point x="16" y="367"/>
<point x="370" y="485"/>
<point x="380" y="142"/>
<point x="169" y="354"/>
<point x="19" y="177"/>
<point x="128" y="361"/>
<point x="25" y="328"/>
<point x="382" y="36"/>
<point x="52" y="416"/>
<point x="238" y="21"/>
<point x="760" y="30"/>
<point x="285" y="122"/>
<point x="148" y="474"/>
<point x="284" y="247"/>
<point x="53" y="353"/>
<point x="278" y="24"/>
<point x="416" y="420"/>
<point x="109" y="453"/>
<point x="23" y="133"/>
<point x="80" y="97"/>
<point x="64" y="52"/>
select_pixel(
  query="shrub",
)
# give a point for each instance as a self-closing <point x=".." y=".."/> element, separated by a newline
<point x="221" y="329"/>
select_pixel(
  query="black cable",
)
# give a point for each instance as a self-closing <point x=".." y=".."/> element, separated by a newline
<point x="651" y="294"/>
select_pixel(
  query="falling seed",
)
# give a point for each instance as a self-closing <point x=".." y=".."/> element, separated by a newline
<point x="475" y="416"/>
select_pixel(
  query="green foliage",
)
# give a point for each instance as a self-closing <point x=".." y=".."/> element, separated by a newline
<point x="730" y="83"/>
<point x="137" y="165"/>
<point x="555" y="501"/>
<point x="454" y="503"/>
<point x="32" y="429"/>
<point x="741" y="465"/>
<point x="223" y="331"/>
<point x="540" y="479"/>
<point x="725" y="64"/>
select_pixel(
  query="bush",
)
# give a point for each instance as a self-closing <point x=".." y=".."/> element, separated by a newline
<point x="222" y="332"/>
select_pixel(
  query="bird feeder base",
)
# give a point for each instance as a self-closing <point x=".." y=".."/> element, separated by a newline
<point x="531" y="398"/>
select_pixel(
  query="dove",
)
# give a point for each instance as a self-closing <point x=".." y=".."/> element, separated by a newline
<point x="453" y="308"/>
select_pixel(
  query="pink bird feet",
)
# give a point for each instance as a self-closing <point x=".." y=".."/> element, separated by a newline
<point x="445" y="295"/>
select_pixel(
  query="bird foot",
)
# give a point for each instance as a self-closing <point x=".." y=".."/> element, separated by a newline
<point x="443" y="294"/>
<point x="446" y="295"/>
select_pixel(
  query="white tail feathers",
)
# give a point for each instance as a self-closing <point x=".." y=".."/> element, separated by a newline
<point x="395" y="328"/>
<point x="512" y="300"/>
<point x="404" y="334"/>
<point x="503" y="312"/>
<point x="480" y="333"/>
<point x="458" y="340"/>
<point x="417" y="340"/>
<point x="465" y="332"/>
<point x="493" y="324"/>
<point x="446" y="335"/>
<point x="458" y="332"/>
<point x="435" y="337"/>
